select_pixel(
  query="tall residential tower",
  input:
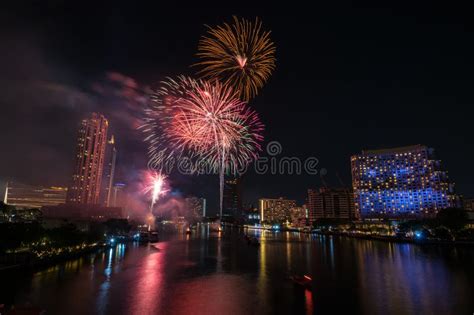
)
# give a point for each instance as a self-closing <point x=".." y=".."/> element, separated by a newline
<point x="89" y="161"/>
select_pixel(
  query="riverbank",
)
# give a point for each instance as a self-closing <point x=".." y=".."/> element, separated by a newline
<point x="386" y="238"/>
<point x="27" y="259"/>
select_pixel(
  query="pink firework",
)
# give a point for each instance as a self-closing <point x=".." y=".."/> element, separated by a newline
<point x="201" y="120"/>
<point x="205" y="121"/>
<point x="158" y="118"/>
<point x="215" y="125"/>
<point x="219" y="128"/>
<point x="155" y="187"/>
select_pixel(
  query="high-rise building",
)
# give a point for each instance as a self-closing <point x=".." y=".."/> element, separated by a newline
<point x="27" y="196"/>
<point x="118" y="198"/>
<point x="275" y="210"/>
<point x="400" y="182"/>
<point x="232" y="202"/>
<point x="109" y="173"/>
<point x="89" y="161"/>
<point x="331" y="203"/>
<point x="196" y="207"/>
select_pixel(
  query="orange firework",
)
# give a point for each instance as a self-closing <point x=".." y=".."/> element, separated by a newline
<point x="239" y="54"/>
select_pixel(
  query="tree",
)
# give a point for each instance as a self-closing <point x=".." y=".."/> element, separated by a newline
<point x="6" y="209"/>
<point x="117" y="226"/>
<point x="454" y="219"/>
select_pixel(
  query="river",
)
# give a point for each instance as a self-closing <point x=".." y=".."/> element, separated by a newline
<point x="219" y="273"/>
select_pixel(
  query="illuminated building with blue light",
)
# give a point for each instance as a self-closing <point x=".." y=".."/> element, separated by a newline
<point x="400" y="183"/>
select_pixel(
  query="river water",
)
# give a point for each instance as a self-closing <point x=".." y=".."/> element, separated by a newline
<point x="219" y="273"/>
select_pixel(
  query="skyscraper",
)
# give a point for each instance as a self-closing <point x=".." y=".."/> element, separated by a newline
<point x="109" y="173"/>
<point x="400" y="182"/>
<point x="89" y="161"/>
<point x="118" y="198"/>
<point x="232" y="202"/>
<point x="196" y="207"/>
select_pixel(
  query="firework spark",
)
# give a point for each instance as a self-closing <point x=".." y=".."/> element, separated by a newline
<point x="201" y="120"/>
<point x="155" y="187"/>
<point x="218" y="126"/>
<point x="158" y="119"/>
<point x="240" y="54"/>
<point x="207" y="121"/>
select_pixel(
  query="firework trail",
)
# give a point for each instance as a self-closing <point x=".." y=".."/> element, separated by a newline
<point x="240" y="54"/>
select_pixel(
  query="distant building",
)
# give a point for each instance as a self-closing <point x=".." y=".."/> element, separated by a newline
<point x="400" y="183"/>
<point x="89" y="161"/>
<point x="275" y="210"/>
<point x="232" y="199"/>
<point x="27" y="196"/>
<point x="331" y="203"/>
<point x="299" y="216"/>
<point x="109" y="173"/>
<point x="468" y="204"/>
<point x="196" y="207"/>
<point x="118" y="198"/>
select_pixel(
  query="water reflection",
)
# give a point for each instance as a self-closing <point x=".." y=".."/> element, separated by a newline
<point x="145" y="295"/>
<point x="219" y="273"/>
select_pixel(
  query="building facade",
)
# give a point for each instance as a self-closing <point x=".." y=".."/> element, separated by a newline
<point x="33" y="197"/>
<point x="299" y="216"/>
<point x="196" y="207"/>
<point x="232" y="199"/>
<point x="91" y="144"/>
<point x="275" y="210"/>
<point x="400" y="183"/>
<point x="119" y="198"/>
<point x="331" y="203"/>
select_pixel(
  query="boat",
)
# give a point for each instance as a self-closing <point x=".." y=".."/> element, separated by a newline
<point x="153" y="237"/>
<point x="304" y="281"/>
<point x="146" y="237"/>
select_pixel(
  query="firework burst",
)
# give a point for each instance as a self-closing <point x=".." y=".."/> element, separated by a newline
<point x="203" y="120"/>
<point x="240" y="54"/>
<point x="218" y="126"/>
<point x="215" y="125"/>
<point x="158" y="118"/>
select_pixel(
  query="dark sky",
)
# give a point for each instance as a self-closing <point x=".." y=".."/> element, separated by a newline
<point x="348" y="77"/>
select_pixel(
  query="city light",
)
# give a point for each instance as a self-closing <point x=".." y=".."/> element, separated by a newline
<point x="398" y="182"/>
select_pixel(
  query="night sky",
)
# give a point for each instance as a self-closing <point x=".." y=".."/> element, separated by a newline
<point x="349" y="77"/>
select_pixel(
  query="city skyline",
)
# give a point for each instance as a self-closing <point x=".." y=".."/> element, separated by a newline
<point x="310" y="108"/>
<point x="234" y="158"/>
